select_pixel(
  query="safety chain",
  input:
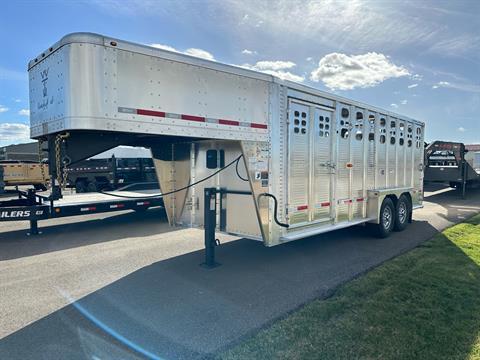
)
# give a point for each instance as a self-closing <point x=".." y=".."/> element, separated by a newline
<point x="42" y="166"/>
<point x="61" y="175"/>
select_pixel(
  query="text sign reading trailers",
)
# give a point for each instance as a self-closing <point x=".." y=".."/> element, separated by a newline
<point x="25" y="213"/>
<point x="312" y="161"/>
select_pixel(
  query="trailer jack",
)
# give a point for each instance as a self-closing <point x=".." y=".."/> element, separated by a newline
<point x="210" y="219"/>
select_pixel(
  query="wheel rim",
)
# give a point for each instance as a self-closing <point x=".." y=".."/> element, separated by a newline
<point x="387" y="217"/>
<point x="402" y="212"/>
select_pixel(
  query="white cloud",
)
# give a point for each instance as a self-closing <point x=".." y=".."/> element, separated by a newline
<point x="249" y="52"/>
<point x="457" y="86"/>
<point x="276" y="68"/>
<point x="343" y="72"/>
<point x="14" y="133"/>
<point x="18" y="100"/>
<point x="24" y="112"/>
<point x="3" y="109"/>
<point x="395" y="106"/>
<point x="164" y="47"/>
<point x="309" y="58"/>
<point x="461" y="129"/>
<point x="200" y="53"/>
<point x="412" y="86"/>
<point x="404" y="102"/>
<point x="440" y="84"/>
<point x="274" y="65"/>
<point x="417" y="77"/>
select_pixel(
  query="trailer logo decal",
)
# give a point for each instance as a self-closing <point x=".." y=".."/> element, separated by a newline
<point x="187" y="117"/>
<point x="44" y="75"/>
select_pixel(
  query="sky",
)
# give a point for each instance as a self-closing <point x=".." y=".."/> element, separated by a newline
<point x="417" y="58"/>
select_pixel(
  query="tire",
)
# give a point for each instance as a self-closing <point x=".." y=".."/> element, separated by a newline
<point x="92" y="187"/>
<point x="402" y="213"/>
<point x="80" y="186"/>
<point x="387" y="219"/>
<point x="40" y="187"/>
<point x="455" y="185"/>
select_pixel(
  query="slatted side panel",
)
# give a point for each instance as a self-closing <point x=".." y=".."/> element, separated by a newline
<point x="343" y="158"/>
<point x="409" y="151"/>
<point x="401" y="150"/>
<point x="418" y="156"/>
<point x="321" y="137"/>
<point x="381" y="140"/>
<point x="371" y="139"/>
<point x="298" y="171"/>
<point x="392" y="152"/>
<point x="357" y="156"/>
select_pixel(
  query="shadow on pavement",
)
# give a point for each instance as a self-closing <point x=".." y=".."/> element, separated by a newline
<point x="176" y="309"/>
<point x="16" y="244"/>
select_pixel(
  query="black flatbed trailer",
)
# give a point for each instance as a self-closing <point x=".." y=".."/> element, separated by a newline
<point x="32" y="207"/>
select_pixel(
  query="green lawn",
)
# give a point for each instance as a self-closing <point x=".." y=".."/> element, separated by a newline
<point x="424" y="304"/>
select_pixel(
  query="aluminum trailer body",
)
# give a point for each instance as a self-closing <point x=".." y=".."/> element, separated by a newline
<point x="328" y="162"/>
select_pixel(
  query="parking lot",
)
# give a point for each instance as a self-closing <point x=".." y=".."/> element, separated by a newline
<point x="126" y="285"/>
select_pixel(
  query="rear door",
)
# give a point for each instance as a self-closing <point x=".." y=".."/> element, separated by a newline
<point x="323" y="165"/>
<point x="310" y="165"/>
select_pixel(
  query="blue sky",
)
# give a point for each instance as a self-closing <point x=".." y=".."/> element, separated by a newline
<point x="417" y="58"/>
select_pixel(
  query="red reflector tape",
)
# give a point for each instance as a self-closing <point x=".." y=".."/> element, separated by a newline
<point x="360" y="199"/>
<point x="150" y="113"/>
<point x="143" y="203"/>
<point x="116" y="206"/>
<point x="302" y="207"/>
<point x="324" y="204"/>
<point x="193" y="118"/>
<point x="258" y="126"/>
<point x="349" y="201"/>
<point x="92" y="208"/>
<point x="228" y="122"/>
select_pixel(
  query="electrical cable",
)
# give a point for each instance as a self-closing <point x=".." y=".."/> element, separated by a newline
<point x="275" y="209"/>
<point x="236" y="170"/>
<point x="176" y="190"/>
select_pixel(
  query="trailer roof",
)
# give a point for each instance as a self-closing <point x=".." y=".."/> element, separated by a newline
<point x="97" y="39"/>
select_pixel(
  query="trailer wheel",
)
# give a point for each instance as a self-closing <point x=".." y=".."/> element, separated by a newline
<point x="402" y="213"/>
<point x="80" y="186"/>
<point x="387" y="219"/>
<point x="92" y="187"/>
<point x="40" y="187"/>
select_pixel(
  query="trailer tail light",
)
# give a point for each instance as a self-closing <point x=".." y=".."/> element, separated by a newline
<point x="302" y="207"/>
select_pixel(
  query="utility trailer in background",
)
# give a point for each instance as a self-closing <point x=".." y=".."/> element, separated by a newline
<point x="113" y="169"/>
<point x="271" y="160"/>
<point x="29" y="206"/>
<point x="450" y="162"/>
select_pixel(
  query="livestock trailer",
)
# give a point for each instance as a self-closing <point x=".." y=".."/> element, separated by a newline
<point x="268" y="159"/>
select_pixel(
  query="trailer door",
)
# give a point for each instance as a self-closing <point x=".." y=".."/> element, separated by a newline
<point x="310" y="165"/>
<point x="322" y="164"/>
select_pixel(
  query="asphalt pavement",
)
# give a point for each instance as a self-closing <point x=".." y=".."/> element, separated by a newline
<point x="126" y="286"/>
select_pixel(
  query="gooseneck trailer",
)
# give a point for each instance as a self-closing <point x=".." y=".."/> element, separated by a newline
<point x="240" y="151"/>
<point x="450" y="162"/>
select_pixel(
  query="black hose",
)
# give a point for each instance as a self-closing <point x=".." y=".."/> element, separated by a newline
<point x="236" y="170"/>
<point x="177" y="190"/>
<point x="275" y="209"/>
